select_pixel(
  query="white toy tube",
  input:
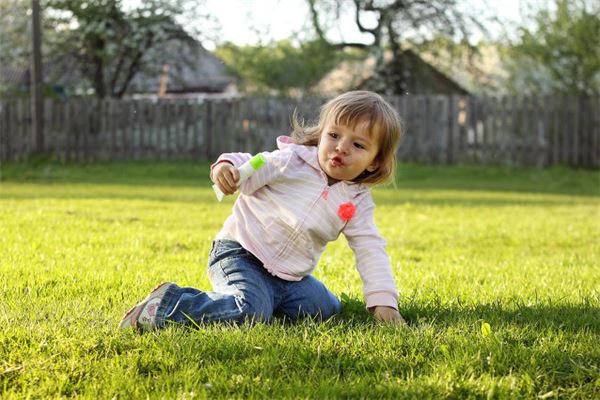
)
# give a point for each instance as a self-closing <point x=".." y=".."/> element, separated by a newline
<point x="246" y="170"/>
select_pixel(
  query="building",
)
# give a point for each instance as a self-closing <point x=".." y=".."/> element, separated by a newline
<point x="183" y="69"/>
<point x="358" y="74"/>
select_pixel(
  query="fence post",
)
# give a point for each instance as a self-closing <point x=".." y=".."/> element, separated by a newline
<point x="595" y="131"/>
<point x="29" y="147"/>
<point x="452" y="129"/>
<point x="2" y="134"/>
<point x="441" y="127"/>
<point x="544" y="133"/>
<point x="207" y="128"/>
<point x="576" y="128"/>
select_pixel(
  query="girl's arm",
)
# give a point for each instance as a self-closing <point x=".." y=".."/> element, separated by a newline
<point x="372" y="261"/>
<point x="275" y="163"/>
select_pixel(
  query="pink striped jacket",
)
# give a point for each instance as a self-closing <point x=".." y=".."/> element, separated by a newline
<point x="286" y="214"/>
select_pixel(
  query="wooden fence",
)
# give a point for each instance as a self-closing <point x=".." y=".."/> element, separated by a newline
<point x="538" y="131"/>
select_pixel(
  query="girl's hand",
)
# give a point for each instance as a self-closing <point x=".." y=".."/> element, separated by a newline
<point x="226" y="176"/>
<point x="388" y="315"/>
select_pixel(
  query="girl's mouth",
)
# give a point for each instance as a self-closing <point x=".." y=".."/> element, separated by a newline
<point x="336" y="162"/>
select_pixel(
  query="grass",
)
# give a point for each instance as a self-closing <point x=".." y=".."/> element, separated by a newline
<point x="518" y="249"/>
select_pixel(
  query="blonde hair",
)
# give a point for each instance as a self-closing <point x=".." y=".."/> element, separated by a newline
<point x="350" y="109"/>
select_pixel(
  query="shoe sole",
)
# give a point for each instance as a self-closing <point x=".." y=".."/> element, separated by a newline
<point x="130" y="318"/>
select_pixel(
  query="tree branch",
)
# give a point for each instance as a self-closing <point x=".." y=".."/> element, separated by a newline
<point x="135" y="64"/>
<point x="374" y="32"/>
<point x="315" y="20"/>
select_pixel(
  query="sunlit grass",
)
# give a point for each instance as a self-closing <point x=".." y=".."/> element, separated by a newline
<point x="518" y="249"/>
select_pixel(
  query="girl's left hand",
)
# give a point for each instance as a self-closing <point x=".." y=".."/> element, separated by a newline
<point x="388" y="315"/>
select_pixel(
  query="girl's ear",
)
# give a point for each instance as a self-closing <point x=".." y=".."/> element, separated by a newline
<point x="373" y="167"/>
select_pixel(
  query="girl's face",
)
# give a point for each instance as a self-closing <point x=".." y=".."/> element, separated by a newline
<point x="344" y="153"/>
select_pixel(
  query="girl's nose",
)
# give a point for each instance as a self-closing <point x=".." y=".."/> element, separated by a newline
<point x="341" y="147"/>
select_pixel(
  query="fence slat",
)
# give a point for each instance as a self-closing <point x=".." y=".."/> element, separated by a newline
<point x="4" y="136"/>
<point x="575" y="132"/>
<point x="595" y="131"/>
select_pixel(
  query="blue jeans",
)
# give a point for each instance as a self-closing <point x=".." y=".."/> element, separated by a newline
<point x="244" y="290"/>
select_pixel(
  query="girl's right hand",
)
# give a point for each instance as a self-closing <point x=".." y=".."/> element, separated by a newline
<point x="388" y="315"/>
<point x="226" y="176"/>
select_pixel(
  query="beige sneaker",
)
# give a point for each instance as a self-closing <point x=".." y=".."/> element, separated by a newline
<point x="143" y="315"/>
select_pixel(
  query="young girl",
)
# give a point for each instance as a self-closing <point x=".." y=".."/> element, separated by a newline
<point x="314" y="187"/>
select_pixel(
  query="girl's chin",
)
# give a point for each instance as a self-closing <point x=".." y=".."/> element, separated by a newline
<point x="333" y="173"/>
<point x="335" y="177"/>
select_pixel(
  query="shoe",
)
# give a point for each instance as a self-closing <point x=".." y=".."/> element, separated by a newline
<point x="143" y="315"/>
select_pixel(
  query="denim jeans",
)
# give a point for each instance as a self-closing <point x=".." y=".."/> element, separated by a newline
<point x="244" y="290"/>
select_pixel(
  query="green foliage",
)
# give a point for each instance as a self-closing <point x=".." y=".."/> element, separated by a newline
<point x="14" y="45"/>
<point x="516" y="249"/>
<point x="280" y="66"/>
<point x="107" y="43"/>
<point x="558" y="50"/>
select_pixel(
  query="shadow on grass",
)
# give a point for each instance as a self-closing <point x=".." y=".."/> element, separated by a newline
<point x="473" y="200"/>
<point x="539" y="317"/>
<point x="347" y="357"/>
<point x="207" y="196"/>
<point x="137" y="173"/>
<point x="552" y="180"/>
<point x="555" y="180"/>
<point x="201" y="193"/>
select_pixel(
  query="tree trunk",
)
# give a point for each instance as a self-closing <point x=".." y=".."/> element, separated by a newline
<point x="98" y="63"/>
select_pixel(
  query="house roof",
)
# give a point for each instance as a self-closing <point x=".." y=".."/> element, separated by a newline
<point x="57" y="73"/>
<point x="424" y="77"/>
<point x="14" y="75"/>
<point x="192" y="68"/>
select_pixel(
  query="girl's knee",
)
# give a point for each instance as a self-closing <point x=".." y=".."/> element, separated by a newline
<point x="321" y="311"/>
<point x="330" y="306"/>
<point x="335" y="307"/>
<point x="255" y="311"/>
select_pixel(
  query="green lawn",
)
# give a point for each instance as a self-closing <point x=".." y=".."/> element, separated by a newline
<point x="518" y="249"/>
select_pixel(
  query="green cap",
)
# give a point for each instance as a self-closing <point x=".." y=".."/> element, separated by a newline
<point x="257" y="161"/>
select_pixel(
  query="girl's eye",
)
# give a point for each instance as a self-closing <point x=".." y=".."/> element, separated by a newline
<point x="359" y="146"/>
<point x="333" y="135"/>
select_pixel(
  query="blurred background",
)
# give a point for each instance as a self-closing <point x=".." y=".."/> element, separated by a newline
<point x="514" y="82"/>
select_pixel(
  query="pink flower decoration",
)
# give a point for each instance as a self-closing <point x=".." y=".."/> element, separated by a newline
<point x="152" y="309"/>
<point x="346" y="211"/>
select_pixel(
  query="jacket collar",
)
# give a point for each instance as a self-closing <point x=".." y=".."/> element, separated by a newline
<point x="309" y="155"/>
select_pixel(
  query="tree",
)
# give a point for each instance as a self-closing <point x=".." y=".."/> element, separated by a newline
<point x="559" y="50"/>
<point x="280" y="65"/>
<point x="14" y="45"/>
<point x="107" y="44"/>
<point x="398" y="23"/>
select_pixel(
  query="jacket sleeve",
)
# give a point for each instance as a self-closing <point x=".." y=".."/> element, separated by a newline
<point x="276" y="163"/>
<point x="372" y="260"/>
